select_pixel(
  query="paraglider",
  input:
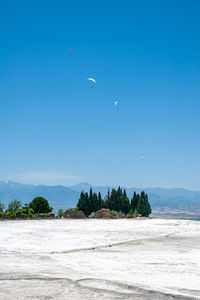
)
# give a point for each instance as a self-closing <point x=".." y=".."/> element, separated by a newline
<point x="142" y="157"/>
<point x="116" y="104"/>
<point x="70" y="50"/>
<point x="91" y="80"/>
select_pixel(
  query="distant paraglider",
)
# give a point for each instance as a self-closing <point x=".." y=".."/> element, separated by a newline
<point x="92" y="81"/>
<point x="116" y="104"/>
<point x="70" y="50"/>
<point x="142" y="157"/>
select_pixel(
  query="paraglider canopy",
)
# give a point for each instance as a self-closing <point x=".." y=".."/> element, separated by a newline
<point x="116" y="102"/>
<point x="70" y="50"/>
<point x="142" y="157"/>
<point x="92" y="79"/>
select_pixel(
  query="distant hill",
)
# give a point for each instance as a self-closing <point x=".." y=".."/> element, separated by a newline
<point x="66" y="197"/>
<point x="58" y="196"/>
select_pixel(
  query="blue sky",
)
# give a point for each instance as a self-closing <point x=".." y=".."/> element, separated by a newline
<point x="55" y="129"/>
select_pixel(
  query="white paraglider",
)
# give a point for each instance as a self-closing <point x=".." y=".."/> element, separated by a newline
<point x="92" y="81"/>
<point x="116" y="104"/>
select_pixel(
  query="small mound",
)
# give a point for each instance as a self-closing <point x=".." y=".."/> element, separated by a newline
<point x="78" y="214"/>
<point x="105" y="213"/>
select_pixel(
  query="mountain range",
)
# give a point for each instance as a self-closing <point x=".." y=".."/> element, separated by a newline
<point x="65" y="197"/>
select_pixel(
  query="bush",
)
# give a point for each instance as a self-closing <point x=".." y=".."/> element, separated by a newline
<point x="24" y="216"/>
<point x="72" y="209"/>
<point x="92" y="215"/>
<point x="11" y="215"/>
<point x="113" y="212"/>
<point x="18" y="213"/>
<point x="44" y="215"/>
<point x="1" y="214"/>
<point x="30" y="213"/>
<point x="129" y="216"/>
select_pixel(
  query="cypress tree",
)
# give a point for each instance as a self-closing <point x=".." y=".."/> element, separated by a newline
<point x="99" y="201"/>
<point x="108" y="199"/>
<point x="137" y="200"/>
<point x="95" y="204"/>
<point x="143" y="207"/>
<point x="134" y="201"/>
<point x="119" y="200"/>
<point x="113" y="199"/>
<point x="84" y="203"/>
<point x="140" y="207"/>
<point x="81" y="200"/>
<point x="87" y="205"/>
<point x="147" y="205"/>
<point x="125" y="203"/>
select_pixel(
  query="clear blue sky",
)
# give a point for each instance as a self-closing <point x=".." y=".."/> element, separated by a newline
<point x="55" y="129"/>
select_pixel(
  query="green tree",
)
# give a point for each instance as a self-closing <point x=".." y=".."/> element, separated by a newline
<point x="95" y="204"/>
<point x="14" y="205"/>
<point x="84" y="203"/>
<point x="147" y="205"/>
<point x="125" y="203"/>
<point x="134" y="201"/>
<point x="119" y="200"/>
<point x="100" y="201"/>
<point x="40" y="205"/>
<point x="113" y="200"/>
<point x="143" y="208"/>
<point x="108" y="199"/>
<point x="1" y="207"/>
<point x="81" y="200"/>
<point x="91" y="202"/>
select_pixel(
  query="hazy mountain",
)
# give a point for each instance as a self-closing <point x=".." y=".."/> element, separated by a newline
<point x="58" y="196"/>
<point x="66" y="197"/>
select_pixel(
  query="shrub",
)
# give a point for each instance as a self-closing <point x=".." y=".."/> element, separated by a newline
<point x="18" y="213"/>
<point x="44" y="215"/>
<point x="92" y="215"/>
<point x="30" y="213"/>
<point x="113" y="212"/>
<point x="129" y="216"/>
<point x="72" y="209"/>
<point x="24" y="216"/>
<point x="11" y="215"/>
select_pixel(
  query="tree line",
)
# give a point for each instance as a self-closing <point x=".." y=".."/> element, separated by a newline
<point x="39" y="206"/>
<point x="116" y="200"/>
